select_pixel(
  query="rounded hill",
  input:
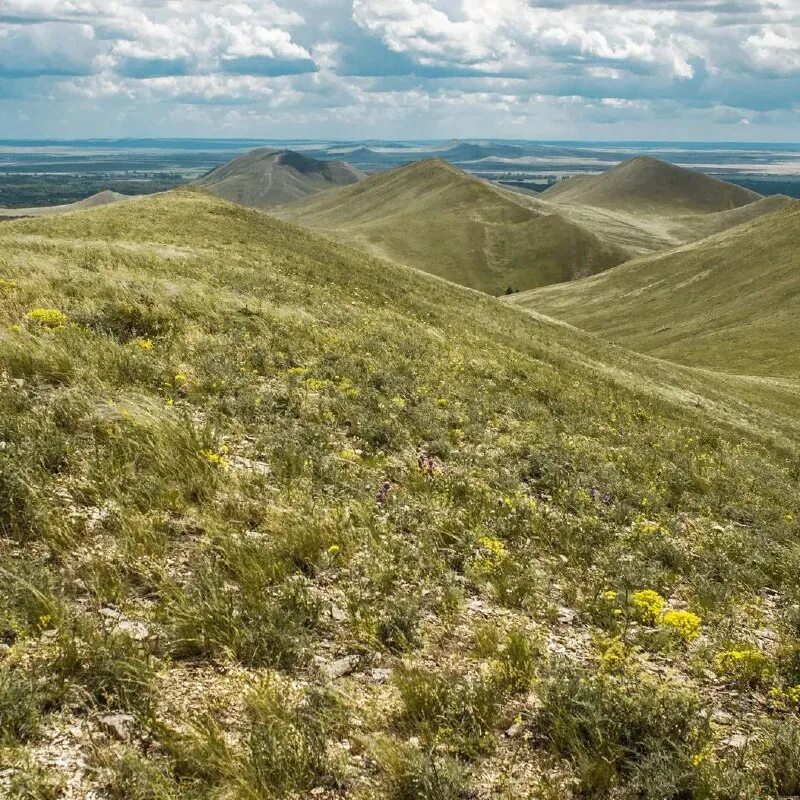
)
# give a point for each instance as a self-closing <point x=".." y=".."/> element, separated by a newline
<point x="265" y="177"/>
<point x="648" y="185"/>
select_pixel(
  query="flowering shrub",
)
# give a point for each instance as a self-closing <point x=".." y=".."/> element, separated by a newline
<point x="217" y="458"/>
<point x="648" y="605"/>
<point x="747" y="666"/>
<point x="49" y="318"/>
<point x="684" y="623"/>
<point x="785" y="699"/>
<point x="491" y="554"/>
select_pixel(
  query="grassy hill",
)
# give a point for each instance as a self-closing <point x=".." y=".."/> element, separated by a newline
<point x="437" y="218"/>
<point x="729" y="302"/>
<point x="649" y="186"/>
<point x="264" y="178"/>
<point x="272" y="525"/>
<point x="699" y="226"/>
<point x="432" y="216"/>
<point x="100" y="199"/>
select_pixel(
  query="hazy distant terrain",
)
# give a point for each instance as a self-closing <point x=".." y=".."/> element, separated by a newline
<point x="65" y="171"/>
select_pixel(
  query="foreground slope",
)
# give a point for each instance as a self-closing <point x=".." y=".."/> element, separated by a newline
<point x="273" y="525"/>
<point x="264" y="178"/>
<point x="728" y="302"/>
<point x="648" y="185"/>
<point x="432" y="216"/>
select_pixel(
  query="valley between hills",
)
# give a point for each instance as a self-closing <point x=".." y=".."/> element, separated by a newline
<point x="315" y="483"/>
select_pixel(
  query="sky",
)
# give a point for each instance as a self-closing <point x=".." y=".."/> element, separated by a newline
<point x="685" y="70"/>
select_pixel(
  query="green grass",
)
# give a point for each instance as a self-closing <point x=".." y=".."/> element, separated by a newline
<point x="728" y="303"/>
<point x="243" y="439"/>
<point x="432" y="216"/>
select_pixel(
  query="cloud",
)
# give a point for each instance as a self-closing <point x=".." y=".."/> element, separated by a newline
<point x="267" y="66"/>
<point x="44" y="50"/>
<point x="429" y="63"/>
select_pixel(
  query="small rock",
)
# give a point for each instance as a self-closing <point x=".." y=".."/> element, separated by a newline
<point x="566" y="615"/>
<point x="379" y="674"/>
<point x="5" y="649"/>
<point x="721" y="717"/>
<point x="533" y="702"/>
<point x="341" y="667"/>
<point x="337" y="613"/>
<point x="738" y="741"/>
<point x="109" y="613"/>
<point x="120" y="726"/>
<point x="515" y="730"/>
<point x="248" y="463"/>
<point x="138" y="631"/>
<point x="476" y="606"/>
<point x="317" y="790"/>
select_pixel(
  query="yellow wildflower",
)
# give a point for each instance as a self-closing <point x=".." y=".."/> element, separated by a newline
<point x="216" y="458"/>
<point x="49" y="318"/>
<point x="649" y="604"/>
<point x="684" y="623"/>
<point x="745" y="666"/>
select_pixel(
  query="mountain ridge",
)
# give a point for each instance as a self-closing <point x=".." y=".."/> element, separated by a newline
<point x="103" y="198"/>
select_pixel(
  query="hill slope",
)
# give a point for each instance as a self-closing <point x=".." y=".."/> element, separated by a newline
<point x="650" y="186"/>
<point x="264" y="178"/>
<point x="268" y="520"/>
<point x="100" y="199"/>
<point x="729" y="302"/>
<point x="432" y="216"/>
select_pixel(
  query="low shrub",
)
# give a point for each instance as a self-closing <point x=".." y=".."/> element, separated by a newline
<point x="459" y="711"/>
<point x="746" y="667"/>
<point x="422" y="774"/>
<point x="20" y="707"/>
<point x="629" y="733"/>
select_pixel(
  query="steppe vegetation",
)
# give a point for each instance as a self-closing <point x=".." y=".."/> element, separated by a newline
<point x="278" y="518"/>
<point x="729" y="302"/>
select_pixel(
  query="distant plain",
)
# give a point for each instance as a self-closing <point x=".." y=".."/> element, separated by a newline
<point x="53" y="172"/>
